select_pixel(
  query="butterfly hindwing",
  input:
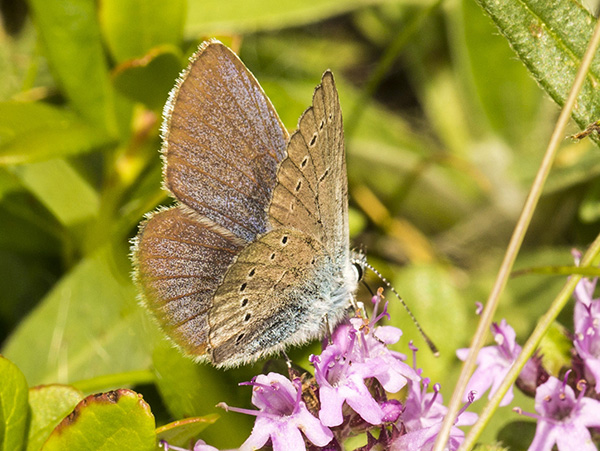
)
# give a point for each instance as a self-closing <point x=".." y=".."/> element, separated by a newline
<point x="180" y="263"/>
<point x="223" y="142"/>
<point x="274" y="295"/>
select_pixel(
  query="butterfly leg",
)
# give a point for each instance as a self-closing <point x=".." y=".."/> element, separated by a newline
<point x="329" y="330"/>
<point x="288" y="361"/>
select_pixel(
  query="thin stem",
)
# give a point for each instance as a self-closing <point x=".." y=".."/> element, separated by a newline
<point x="514" y="245"/>
<point x="532" y="343"/>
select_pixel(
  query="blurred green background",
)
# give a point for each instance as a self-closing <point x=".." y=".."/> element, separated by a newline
<point x="445" y="128"/>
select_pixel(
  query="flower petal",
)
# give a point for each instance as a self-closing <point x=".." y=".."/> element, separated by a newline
<point x="259" y="435"/>
<point x="388" y="334"/>
<point x="545" y="437"/>
<point x="331" y="406"/>
<point x="202" y="446"/>
<point x="315" y="431"/>
<point x="575" y="437"/>
<point x="287" y="437"/>
<point x="366" y="407"/>
<point x="589" y="412"/>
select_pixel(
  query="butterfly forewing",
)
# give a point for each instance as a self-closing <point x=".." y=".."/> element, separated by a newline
<point x="223" y="142"/>
<point x="311" y="190"/>
<point x="333" y="201"/>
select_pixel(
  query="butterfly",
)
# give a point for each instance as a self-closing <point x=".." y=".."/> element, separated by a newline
<point x="255" y="255"/>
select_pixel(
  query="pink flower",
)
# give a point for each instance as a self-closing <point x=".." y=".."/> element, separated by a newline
<point x="493" y="362"/>
<point x="587" y="332"/>
<point x="359" y="352"/>
<point x="422" y="418"/>
<point x="282" y="416"/>
<point x="563" y="418"/>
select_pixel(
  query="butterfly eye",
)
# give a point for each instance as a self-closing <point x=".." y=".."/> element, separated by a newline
<point x="358" y="269"/>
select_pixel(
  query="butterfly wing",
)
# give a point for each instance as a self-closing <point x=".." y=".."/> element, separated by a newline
<point x="223" y="142"/>
<point x="276" y="294"/>
<point x="282" y="286"/>
<point x="180" y="262"/>
<point x="312" y="189"/>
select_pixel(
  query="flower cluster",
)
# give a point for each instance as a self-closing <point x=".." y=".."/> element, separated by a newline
<point x="348" y="395"/>
<point x="563" y="417"/>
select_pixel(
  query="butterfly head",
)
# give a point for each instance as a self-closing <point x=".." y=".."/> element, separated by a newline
<point x="358" y="259"/>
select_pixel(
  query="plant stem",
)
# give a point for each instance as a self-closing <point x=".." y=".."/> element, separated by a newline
<point x="511" y="253"/>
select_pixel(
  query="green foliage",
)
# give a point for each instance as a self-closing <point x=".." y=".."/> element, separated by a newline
<point x="13" y="402"/>
<point x="106" y="421"/>
<point x="49" y="405"/>
<point x="555" y="350"/>
<point x="153" y="23"/>
<point x="184" y="432"/>
<point x="551" y="43"/>
<point x="441" y="151"/>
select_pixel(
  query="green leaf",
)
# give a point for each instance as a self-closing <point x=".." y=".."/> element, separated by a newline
<point x="189" y="389"/>
<point x="8" y="184"/>
<point x="115" y="420"/>
<point x="185" y="432"/>
<point x="215" y="16"/>
<point x="555" y="349"/>
<point x="89" y="324"/>
<point x="589" y="210"/>
<point x="501" y="85"/>
<point x="150" y="78"/>
<point x="517" y="435"/>
<point x="17" y="53"/>
<point x="133" y="27"/>
<point x="34" y="131"/>
<point x="71" y="35"/>
<point x="431" y="293"/>
<point x="551" y="38"/>
<point x="14" y="410"/>
<point x="72" y="200"/>
<point x="49" y="405"/>
<point x="27" y="226"/>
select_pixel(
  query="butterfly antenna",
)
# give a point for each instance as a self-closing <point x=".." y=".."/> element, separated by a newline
<point x="366" y="285"/>
<point x="430" y="344"/>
